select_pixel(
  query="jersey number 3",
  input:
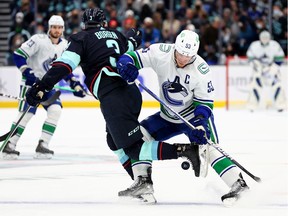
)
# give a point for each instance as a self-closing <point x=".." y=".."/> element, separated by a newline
<point x="113" y="44"/>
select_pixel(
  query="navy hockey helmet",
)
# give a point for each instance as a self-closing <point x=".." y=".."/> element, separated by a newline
<point x="93" y="17"/>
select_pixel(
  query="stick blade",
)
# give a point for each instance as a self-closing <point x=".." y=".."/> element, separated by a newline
<point x="50" y="100"/>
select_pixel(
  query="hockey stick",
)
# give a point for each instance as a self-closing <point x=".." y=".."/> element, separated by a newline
<point x="70" y="89"/>
<point x="13" y="131"/>
<point x="219" y="149"/>
<point x="11" y="96"/>
<point x="44" y="103"/>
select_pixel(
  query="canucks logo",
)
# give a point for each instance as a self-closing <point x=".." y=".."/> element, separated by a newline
<point x="203" y="68"/>
<point x="174" y="87"/>
<point x="47" y="63"/>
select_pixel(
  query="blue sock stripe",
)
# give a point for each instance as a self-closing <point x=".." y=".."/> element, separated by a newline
<point x="228" y="168"/>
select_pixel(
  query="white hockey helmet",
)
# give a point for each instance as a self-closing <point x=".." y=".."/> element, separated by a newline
<point x="187" y="43"/>
<point x="264" y="37"/>
<point x="57" y="21"/>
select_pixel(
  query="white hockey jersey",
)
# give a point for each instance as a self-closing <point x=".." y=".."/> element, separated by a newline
<point x="180" y="88"/>
<point x="266" y="54"/>
<point x="40" y="52"/>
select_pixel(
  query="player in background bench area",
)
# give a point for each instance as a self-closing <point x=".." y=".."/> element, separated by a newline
<point x="33" y="59"/>
<point x="185" y="83"/>
<point x="265" y="57"/>
<point x="96" y="49"/>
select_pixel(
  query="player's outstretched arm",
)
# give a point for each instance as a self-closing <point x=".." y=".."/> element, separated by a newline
<point x="127" y="69"/>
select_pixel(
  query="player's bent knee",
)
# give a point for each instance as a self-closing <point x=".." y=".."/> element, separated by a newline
<point x="54" y="112"/>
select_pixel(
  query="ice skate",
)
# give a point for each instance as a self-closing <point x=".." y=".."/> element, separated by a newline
<point x="42" y="151"/>
<point x="9" y="153"/>
<point x="141" y="189"/>
<point x="192" y="153"/>
<point x="235" y="193"/>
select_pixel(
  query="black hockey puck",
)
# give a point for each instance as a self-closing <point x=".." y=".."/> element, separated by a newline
<point x="185" y="165"/>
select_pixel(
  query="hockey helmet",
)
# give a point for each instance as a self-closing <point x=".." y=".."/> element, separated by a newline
<point x="93" y="17"/>
<point x="264" y="37"/>
<point x="187" y="43"/>
<point x="56" y="20"/>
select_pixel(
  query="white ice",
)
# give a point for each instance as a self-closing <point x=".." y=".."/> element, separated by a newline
<point x="84" y="177"/>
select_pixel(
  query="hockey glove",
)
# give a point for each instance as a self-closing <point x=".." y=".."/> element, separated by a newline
<point x="198" y="136"/>
<point x="35" y="94"/>
<point x="135" y="36"/>
<point x="127" y="69"/>
<point x="77" y="87"/>
<point x="29" y="76"/>
<point x="200" y="121"/>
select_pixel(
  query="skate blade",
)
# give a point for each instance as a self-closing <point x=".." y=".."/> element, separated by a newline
<point x="41" y="156"/>
<point x="6" y="156"/>
<point x="145" y="199"/>
<point x="230" y="202"/>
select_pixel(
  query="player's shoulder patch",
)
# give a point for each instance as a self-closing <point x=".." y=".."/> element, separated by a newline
<point x="165" y="47"/>
<point x="203" y="68"/>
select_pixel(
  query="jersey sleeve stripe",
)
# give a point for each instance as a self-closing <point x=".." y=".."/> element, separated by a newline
<point x="70" y="58"/>
<point x="130" y="46"/>
<point x="139" y="59"/>
<point x="22" y="53"/>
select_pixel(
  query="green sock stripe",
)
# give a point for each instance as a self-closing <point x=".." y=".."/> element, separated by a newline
<point x="222" y="165"/>
<point x="137" y="161"/>
<point x="48" y="128"/>
<point x="20" y="129"/>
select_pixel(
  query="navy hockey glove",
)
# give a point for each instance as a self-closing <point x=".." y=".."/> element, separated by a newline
<point x="198" y="136"/>
<point x="200" y="121"/>
<point x="35" y="94"/>
<point x="29" y="76"/>
<point x="77" y="87"/>
<point x="127" y="69"/>
<point x="135" y="36"/>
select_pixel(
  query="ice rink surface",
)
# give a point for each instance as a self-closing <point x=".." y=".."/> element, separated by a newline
<point x="84" y="177"/>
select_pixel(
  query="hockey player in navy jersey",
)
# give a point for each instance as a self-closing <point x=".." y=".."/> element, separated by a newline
<point x="96" y="49"/>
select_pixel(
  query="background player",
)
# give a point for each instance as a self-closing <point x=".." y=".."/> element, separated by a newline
<point x="266" y="56"/>
<point x="33" y="59"/>
<point x="185" y="82"/>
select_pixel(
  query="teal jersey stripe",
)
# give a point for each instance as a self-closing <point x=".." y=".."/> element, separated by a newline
<point x="70" y="58"/>
<point x="97" y="82"/>
<point x="130" y="46"/>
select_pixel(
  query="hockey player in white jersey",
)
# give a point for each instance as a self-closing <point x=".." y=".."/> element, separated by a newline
<point x="185" y="82"/>
<point x="265" y="57"/>
<point x="34" y="58"/>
